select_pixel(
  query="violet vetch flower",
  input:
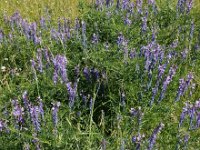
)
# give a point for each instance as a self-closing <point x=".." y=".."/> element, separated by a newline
<point x="144" y="24"/>
<point x="60" y="63"/>
<point x="183" y="86"/>
<point x="125" y="4"/>
<point x="131" y="8"/>
<point x="86" y="73"/>
<point x="41" y="107"/>
<point x="2" y="125"/>
<point x="137" y="140"/>
<point x="95" y="73"/>
<point x="55" y="109"/>
<point x="132" y="53"/>
<point x="39" y="60"/>
<point x="127" y="21"/>
<point x="1" y="35"/>
<point x="36" y="141"/>
<point x="95" y="39"/>
<point x="47" y="56"/>
<point x="77" y="27"/>
<point x="191" y="113"/>
<point x="43" y="23"/>
<point x="181" y="89"/>
<point x="166" y="82"/>
<point x="191" y="30"/>
<point x="152" y="139"/>
<point x="18" y="113"/>
<point x="120" y="39"/>
<point x="26" y="101"/>
<point x="139" y="6"/>
<point x="183" y="114"/>
<point x="186" y="139"/>
<point x="189" y="5"/>
<point x="34" y="111"/>
<point x="198" y="120"/>
<point x="72" y="90"/>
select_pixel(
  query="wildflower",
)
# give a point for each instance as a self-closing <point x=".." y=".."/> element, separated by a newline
<point x="95" y="73"/>
<point x="120" y="39"/>
<point x="60" y="63"/>
<point x="152" y="139"/>
<point x="2" y="125"/>
<point x="132" y="53"/>
<point x="34" y="112"/>
<point x="42" y="23"/>
<point x="189" y="5"/>
<point x="39" y="60"/>
<point x="72" y="93"/>
<point x="1" y="35"/>
<point x="137" y="140"/>
<point x="139" y="6"/>
<point x="55" y="109"/>
<point x="18" y="113"/>
<point x="198" y="120"/>
<point x="144" y="24"/>
<point x="41" y="110"/>
<point x="192" y="30"/>
<point x="186" y="139"/>
<point x="127" y="21"/>
<point x="25" y="100"/>
<point x="183" y="114"/>
<point x="166" y="82"/>
<point x="180" y="89"/>
<point x="95" y="39"/>
<point x="86" y="73"/>
<point x="125" y="4"/>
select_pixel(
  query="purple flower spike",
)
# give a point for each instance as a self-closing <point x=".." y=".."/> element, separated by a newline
<point x="120" y="40"/>
<point x="183" y="114"/>
<point x="25" y="100"/>
<point x="55" y="109"/>
<point x="41" y="110"/>
<point x="18" y="113"/>
<point x="137" y="140"/>
<point x="72" y="93"/>
<point x="127" y="21"/>
<point x="86" y="73"/>
<point x="152" y="139"/>
<point x="166" y="82"/>
<point x="189" y="5"/>
<point x="60" y="63"/>
<point x="95" y="39"/>
<point x="39" y="60"/>
<point x="34" y="111"/>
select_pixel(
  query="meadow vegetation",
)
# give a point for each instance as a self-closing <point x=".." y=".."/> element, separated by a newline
<point x="99" y="75"/>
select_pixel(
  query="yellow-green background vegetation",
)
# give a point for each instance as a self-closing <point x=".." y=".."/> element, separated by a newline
<point x="32" y="9"/>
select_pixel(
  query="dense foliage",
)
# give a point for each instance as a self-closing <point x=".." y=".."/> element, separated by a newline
<point x="124" y="75"/>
